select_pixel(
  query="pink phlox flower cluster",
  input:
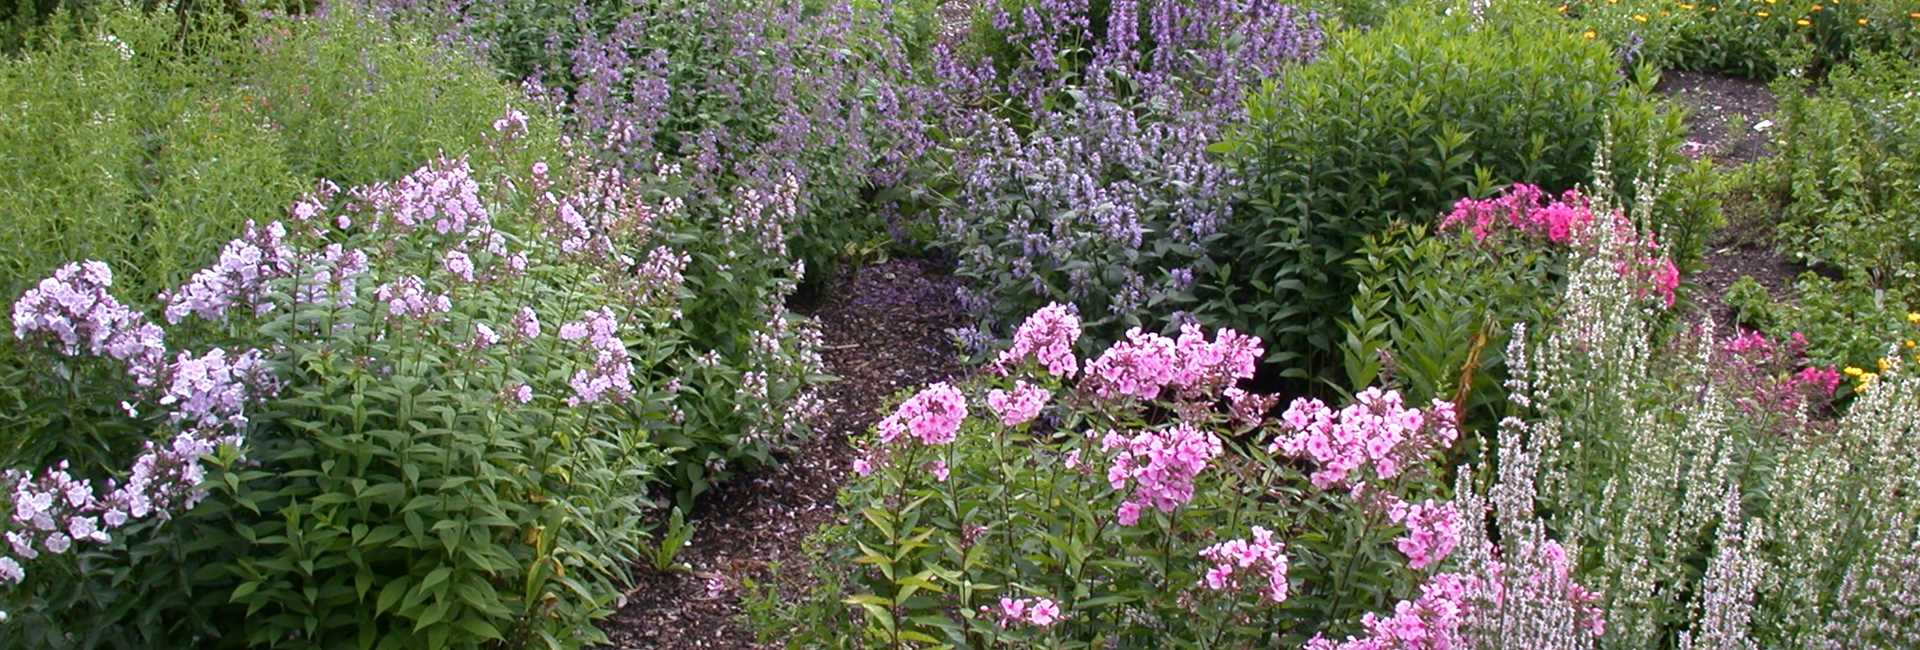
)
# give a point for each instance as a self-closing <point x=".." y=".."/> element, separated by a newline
<point x="334" y="277"/>
<point x="240" y="278"/>
<point x="1206" y="366"/>
<point x="661" y="273"/>
<point x="1522" y="208"/>
<point x="1159" y="465"/>
<point x="483" y="337"/>
<point x="1533" y="214"/>
<point x="932" y="416"/>
<point x="605" y="204"/>
<point x="1137" y="367"/>
<point x="73" y="309"/>
<point x="442" y="196"/>
<point x="211" y="391"/>
<point x="1767" y="377"/>
<point x="1433" y="530"/>
<point x="526" y="324"/>
<point x="1037" y="612"/>
<point x="938" y="469"/>
<point x="459" y="264"/>
<point x="611" y="375"/>
<point x="57" y="511"/>
<point x="1435" y="621"/>
<point x="1376" y="430"/>
<point x="511" y="124"/>
<point x="1020" y="405"/>
<point x="1261" y="555"/>
<point x="1047" y="336"/>
<point x="408" y="297"/>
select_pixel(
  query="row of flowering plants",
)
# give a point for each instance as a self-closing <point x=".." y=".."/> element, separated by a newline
<point x="1145" y="496"/>
<point x="428" y="412"/>
<point x="1079" y="170"/>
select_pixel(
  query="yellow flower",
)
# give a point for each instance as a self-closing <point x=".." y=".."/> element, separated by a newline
<point x="1862" y="21"/>
<point x="1882" y="362"/>
<point x="1563" y="9"/>
<point x="1664" y="13"/>
<point x="1761" y="14"/>
<point x="1771" y="1"/>
<point x="1803" y="22"/>
<point x="1815" y="8"/>
<point x="1914" y="15"/>
<point x="1852" y="371"/>
<point x="1589" y="34"/>
<point x="1911" y="344"/>
<point x="1640" y="18"/>
<point x="1913" y="317"/>
<point x="1686" y="7"/>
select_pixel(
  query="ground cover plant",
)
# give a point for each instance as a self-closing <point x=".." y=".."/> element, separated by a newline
<point x="1346" y="325"/>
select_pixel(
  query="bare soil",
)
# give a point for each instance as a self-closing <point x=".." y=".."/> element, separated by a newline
<point x="885" y="330"/>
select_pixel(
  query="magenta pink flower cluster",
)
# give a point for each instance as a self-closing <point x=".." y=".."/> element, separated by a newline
<point x="1260" y="556"/>
<point x="1047" y="336"/>
<point x="1433" y="622"/>
<point x="1020" y="405"/>
<point x="1037" y="612"/>
<point x="239" y="278"/>
<point x="1772" y="380"/>
<point x="611" y="376"/>
<point x="1376" y="431"/>
<point x="73" y="310"/>
<point x="1533" y="214"/>
<point x="1145" y="363"/>
<point x="932" y="416"/>
<point x="409" y="299"/>
<point x="1433" y="530"/>
<point x="1159" y="466"/>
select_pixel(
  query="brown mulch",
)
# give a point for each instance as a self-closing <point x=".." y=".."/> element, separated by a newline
<point x="885" y="330"/>
<point x="1712" y="102"/>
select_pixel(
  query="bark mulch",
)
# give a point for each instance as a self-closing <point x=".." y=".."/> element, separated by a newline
<point x="885" y="331"/>
<point x="1712" y="102"/>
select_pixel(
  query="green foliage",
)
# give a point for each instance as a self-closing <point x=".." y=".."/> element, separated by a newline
<point x="1847" y="322"/>
<point x="149" y="157"/>
<point x="1757" y="39"/>
<point x="1847" y="160"/>
<point x="1393" y="124"/>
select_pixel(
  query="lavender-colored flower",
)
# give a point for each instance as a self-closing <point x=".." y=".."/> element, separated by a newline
<point x="73" y="310"/>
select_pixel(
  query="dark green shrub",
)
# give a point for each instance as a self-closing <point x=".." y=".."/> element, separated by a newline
<point x="1394" y="124"/>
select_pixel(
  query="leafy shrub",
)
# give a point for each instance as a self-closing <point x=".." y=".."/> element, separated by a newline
<point x="1847" y="162"/>
<point x="1081" y="173"/>
<point x="129" y="146"/>
<point x="406" y="456"/>
<point x="1391" y="124"/>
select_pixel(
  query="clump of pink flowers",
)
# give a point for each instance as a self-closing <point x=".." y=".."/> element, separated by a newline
<point x="611" y="376"/>
<point x="73" y="310"/>
<point x="1047" y="336"/>
<point x="1037" y="612"/>
<point x="1772" y="379"/>
<point x="1434" y="621"/>
<point x="1531" y="214"/>
<point x="239" y="278"/>
<point x="1260" y="557"/>
<point x="932" y="416"/>
<point x="1433" y="530"/>
<point x="1020" y="405"/>
<point x="1159" y="466"/>
<point x="1377" y="431"/>
<point x="1137" y="367"/>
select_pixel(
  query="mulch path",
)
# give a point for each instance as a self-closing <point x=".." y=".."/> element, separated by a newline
<point x="885" y="331"/>
<point x="1712" y="102"/>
